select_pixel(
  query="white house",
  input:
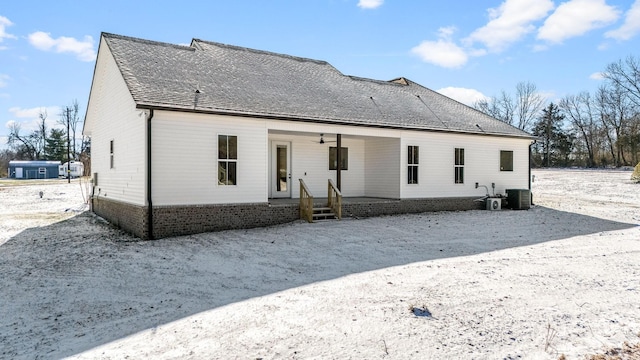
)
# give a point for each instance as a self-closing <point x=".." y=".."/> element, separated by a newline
<point x="206" y="137"/>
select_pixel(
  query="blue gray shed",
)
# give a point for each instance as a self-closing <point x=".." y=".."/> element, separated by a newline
<point x="19" y="169"/>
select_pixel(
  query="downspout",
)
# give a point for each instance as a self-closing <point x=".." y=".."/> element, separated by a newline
<point x="339" y="161"/>
<point x="530" y="164"/>
<point x="149" y="201"/>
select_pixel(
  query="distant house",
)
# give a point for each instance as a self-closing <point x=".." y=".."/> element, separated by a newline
<point x="19" y="169"/>
<point x="75" y="170"/>
<point x="205" y="137"/>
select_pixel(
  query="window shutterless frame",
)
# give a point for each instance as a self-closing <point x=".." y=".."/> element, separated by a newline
<point x="506" y="160"/>
<point x="227" y="159"/>
<point x="412" y="164"/>
<point x="459" y="166"/>
<point x="344" y="155"/>
<point x="111" y="154"/>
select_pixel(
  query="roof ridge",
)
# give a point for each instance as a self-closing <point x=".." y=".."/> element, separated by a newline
<point x="257" y="51"/>
<point x="145" y="41"/>
<point x="377" y="81"/>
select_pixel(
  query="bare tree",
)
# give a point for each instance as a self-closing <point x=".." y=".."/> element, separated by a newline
<point x="626" y="75"/>
<point x="6" y="155"/>
<point x="42" y="130"/>
<point x="529" y="104"/>
<point x="69" y="119"/>
<point x="519" y="111"/>
<point x="27" y="147"/>
<point x="500" y="107"/>
<point x="581" y="112"/>
<point x="618" y="108"/>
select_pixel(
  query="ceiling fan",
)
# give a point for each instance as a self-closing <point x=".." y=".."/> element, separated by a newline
<point x="322" y="140"/>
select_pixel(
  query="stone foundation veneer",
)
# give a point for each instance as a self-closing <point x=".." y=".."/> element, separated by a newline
<point x="184" y="220"/>
<point x="128" y="217"/>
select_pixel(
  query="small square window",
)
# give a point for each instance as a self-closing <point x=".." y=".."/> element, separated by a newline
<point x="506" y="160"/>
<point x="344" y="158"/>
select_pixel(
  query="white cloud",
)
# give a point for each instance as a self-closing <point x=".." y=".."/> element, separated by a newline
<point x="27" y="113"/>
<point x="370" y="4"/>
<point x="31" y="117"/>
<point x="540" y="47"/>
<point x="596" y="76"/>
<point x="463" y="95"/>
<point x="576" y="17"/>
<point x="631" y="25"/>
<point x="443" y="52"/>
<point x="83" y="49"/>
<point x="4" y="23"/>
<point x="3" y="80"/>
<point x="9" y="124"/>
<point x="510" y="22"/>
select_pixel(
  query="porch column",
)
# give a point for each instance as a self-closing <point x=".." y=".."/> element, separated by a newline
<point x="339" y="165"/>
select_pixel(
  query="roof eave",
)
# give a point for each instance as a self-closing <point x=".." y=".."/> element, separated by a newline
<point x="323" y="120"/>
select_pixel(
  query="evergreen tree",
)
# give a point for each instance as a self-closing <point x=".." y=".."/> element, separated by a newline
<point x="56" y="147"/>
<point x="556" y="144"/>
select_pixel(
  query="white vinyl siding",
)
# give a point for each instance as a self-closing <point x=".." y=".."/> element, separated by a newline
<point x="482" y="160"/>
<point x="112" y="116"/>
<point x="185" y="159"/>
<point x="383" y="175"/>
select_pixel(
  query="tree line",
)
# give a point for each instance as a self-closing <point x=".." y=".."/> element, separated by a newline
<point x="599" y="129"/>
<point x="44" y="143"/>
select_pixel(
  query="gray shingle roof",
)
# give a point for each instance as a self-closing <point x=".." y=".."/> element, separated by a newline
<point x="218" y="78"/>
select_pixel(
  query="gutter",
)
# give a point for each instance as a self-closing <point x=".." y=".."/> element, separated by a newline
<point x="328" y="121"/>
<point x="149" y="198"/>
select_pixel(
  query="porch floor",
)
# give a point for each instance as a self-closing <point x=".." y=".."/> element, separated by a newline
<point x="323" y="201"/>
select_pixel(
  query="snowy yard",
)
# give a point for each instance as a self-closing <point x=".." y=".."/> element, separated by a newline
<point x="562" y="278"/>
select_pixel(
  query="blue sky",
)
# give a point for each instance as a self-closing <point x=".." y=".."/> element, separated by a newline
<point x="464" y="49"/>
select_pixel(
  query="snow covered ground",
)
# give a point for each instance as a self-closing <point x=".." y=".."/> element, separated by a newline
<point x="562" y="278"/>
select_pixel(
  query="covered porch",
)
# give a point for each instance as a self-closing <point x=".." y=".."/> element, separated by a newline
<point x="364" y="165"/>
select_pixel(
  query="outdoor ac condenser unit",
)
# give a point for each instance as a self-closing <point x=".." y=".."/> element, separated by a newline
<point x="519" y="199"/>
<point x="494" y="203"/>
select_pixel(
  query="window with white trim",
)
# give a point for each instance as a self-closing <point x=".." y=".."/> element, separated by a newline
<point x="412" y="164"/>
<point x="227" y="159"/>
<point x="506" y="160"/>
<point x="459" y="166"/>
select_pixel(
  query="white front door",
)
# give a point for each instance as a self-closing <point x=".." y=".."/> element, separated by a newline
<point x="280" y="169"/>
<point x="18" y="173"/>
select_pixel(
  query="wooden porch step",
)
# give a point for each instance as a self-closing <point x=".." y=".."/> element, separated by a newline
<point x="323" y="213"/>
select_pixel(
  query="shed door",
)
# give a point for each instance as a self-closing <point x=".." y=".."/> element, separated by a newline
<point x="281" y="169"/>
<point x="19" y="173"/>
